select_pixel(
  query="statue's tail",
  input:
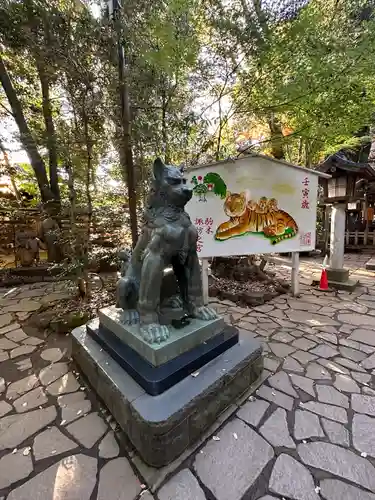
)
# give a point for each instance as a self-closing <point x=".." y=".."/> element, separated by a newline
<point x="127" y="293"/>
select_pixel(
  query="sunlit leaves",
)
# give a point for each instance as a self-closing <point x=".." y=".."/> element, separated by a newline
<point x="315" y="72"/>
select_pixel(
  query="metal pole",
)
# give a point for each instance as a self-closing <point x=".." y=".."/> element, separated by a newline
<point x="127" y="160"/>
<point x="295" y="274"/>
<point x="205" y="281"/>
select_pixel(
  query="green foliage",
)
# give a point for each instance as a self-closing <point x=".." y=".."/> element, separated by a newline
<point x="349" y="144"/>
<point x="172" y="44"/>
<point x="198" y="74"/>
<point x="313" y="71"/>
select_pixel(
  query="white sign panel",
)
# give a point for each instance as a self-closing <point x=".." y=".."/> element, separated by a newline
<point x="253" y="205"/>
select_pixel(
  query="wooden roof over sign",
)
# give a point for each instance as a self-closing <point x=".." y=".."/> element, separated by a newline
<point x="247" y="156"/>
<point x="339" y="161"/>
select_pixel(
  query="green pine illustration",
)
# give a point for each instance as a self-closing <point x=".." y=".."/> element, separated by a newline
<point x="201" y="190"/>
<point x="219" y="186"/>
<point x="211" y="181"/>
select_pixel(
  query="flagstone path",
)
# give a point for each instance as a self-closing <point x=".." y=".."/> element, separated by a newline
<point x="307" y="433"/>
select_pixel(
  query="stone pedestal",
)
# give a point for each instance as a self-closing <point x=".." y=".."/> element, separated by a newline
<point x="337" y="240"/>
<point x="180" y="341"/>
<point x="161" y="427"/>
<point x="165" y="396"/>
<point x="338" y="276"/>
<point x="179" y="362"/>
<point x="370" y="265"/>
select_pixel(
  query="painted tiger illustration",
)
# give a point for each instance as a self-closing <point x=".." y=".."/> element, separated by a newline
<point x="248" y="216"/>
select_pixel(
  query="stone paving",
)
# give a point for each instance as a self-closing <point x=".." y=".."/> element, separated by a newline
<point x="307" y="433"/>
<point x="55" y="441"/>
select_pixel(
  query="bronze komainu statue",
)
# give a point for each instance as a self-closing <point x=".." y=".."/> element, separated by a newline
<point x="168" y="238"/>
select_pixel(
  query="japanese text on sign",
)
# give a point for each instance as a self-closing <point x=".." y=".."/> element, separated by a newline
<point x="305" y="203"/>
<point x="203" y="226"/>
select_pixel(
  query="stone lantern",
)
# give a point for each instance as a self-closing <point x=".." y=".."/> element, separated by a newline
<point x="339" y="191"/>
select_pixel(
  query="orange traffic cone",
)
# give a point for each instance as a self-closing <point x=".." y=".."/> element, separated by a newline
<point x="323" y="280"/>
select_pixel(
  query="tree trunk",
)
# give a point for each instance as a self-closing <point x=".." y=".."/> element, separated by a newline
<point x="300" y="151"/>
<point x="164" y="130"/>
<point x="277" y="148"/>
<point x="308" y="153"/>
<point x="126" y="143"/>
<point x="9" y="171"/>
<point x="26" y="137"/>
<point x="76" y="246"/>
<point x="218" y="142"/>
<point x="371" y="155"/>
<point x="50" y="130"/>
<point x="257" y="4"/>
<point x="88" y="182"/>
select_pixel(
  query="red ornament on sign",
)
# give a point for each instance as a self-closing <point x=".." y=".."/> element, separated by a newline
<point x="305" y="239"/>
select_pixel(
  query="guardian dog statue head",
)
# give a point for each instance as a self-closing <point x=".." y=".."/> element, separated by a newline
<point x="169" y="186"/>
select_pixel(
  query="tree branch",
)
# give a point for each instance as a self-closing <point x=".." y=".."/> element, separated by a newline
<point x="6" y="110"/>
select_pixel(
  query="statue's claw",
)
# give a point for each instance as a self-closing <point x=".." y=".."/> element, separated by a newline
<point x="130" y="317"/>
<point x="173" y="302"/>
<point x="155" y="333"/>
<point x="205" y="313"/>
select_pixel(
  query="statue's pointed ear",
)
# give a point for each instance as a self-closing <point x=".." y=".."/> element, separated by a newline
<point x="158" y="169"/>
<point x="182" y="168"/>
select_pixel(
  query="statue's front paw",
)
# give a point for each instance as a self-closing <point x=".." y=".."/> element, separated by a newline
<point x="130" y="317"/>
<point x="205" y="313"/>
<point x="155" y="333"/>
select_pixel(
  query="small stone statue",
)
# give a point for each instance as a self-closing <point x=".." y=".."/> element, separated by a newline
<point x="50" y="234"/>
<point x="27" y="249"/>
<point x="168" y="239"/>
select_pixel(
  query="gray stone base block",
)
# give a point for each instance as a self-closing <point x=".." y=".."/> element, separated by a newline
<point x="154" y="477"/>
<point x="348" y="285"/>
<point x="180" y="341"/>
<point x="371" y="264"/>
<point x="341" y="275"/>
<point x="162" y="427"/>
